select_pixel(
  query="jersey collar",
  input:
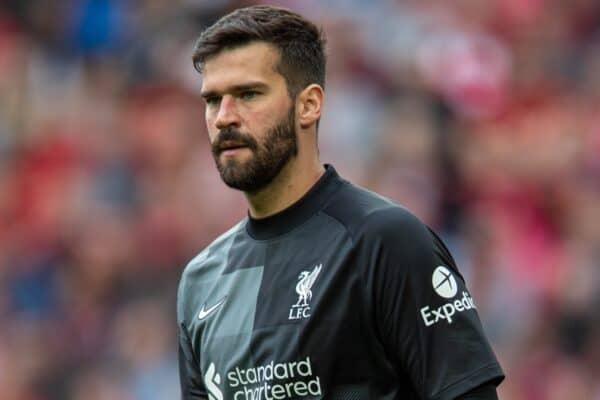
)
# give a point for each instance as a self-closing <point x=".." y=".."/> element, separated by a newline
<point x="308" y="205"/>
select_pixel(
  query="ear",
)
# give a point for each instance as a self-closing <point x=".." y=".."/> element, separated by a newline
<point x="309" y="103"/>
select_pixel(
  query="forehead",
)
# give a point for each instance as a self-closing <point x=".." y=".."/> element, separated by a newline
<point x="255" y="61"/>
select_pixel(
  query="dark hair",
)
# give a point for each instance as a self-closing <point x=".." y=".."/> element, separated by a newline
<point x="299" y="41"/>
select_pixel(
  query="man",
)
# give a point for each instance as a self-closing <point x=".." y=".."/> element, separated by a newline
<point x="325" y="290"/>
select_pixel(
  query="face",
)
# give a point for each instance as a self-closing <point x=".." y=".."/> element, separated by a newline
<point x="249" y="115"/>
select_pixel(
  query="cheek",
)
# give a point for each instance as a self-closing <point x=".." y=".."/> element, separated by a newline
<point x="258" y="121"/>
<point x="262" y="121"/>
<point x="210" y="127"/>
<point x="208" y="118"/>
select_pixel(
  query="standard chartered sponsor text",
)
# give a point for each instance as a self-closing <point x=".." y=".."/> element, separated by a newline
<point x="274" y="381"/>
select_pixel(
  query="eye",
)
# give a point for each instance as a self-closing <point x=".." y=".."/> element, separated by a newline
<point x="249" y="94"/>
<point x="212" y="100"/>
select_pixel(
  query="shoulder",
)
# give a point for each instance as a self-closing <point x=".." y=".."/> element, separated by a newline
<point x="389" y="237"/>
<point x="207" y="264"/>
<point x="386" y="233"/>
<point x="368" y="214"/>
<point x="219" y="245"/>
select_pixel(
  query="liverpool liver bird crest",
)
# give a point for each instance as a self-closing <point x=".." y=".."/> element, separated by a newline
<point x="305" y="281"/>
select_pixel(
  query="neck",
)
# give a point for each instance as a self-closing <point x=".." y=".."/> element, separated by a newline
<point x="292" y="182"/>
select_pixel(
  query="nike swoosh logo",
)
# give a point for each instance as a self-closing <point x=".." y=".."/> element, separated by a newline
<point x="205" y="312"/>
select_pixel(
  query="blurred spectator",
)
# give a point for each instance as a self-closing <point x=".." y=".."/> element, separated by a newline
<point x="481" y="117"/>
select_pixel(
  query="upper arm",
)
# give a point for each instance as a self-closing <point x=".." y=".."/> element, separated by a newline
<point x="424" y="312"/>
<point x="190" y="375"/>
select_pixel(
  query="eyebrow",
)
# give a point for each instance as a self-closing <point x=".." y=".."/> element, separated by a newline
<point x="234" y="89"/>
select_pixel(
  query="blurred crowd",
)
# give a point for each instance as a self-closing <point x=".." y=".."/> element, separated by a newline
<point x="483" y="117"/>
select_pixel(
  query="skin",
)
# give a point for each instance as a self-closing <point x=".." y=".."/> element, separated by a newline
<point x="242" y="89"/>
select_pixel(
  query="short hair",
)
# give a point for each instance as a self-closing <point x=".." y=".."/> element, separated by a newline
<point x="299" y="42"/>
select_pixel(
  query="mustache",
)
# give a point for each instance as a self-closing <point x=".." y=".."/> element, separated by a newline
<point x="231" y="134"/>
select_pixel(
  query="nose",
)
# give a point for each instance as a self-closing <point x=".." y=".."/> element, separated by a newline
<point x="227" y="114"/>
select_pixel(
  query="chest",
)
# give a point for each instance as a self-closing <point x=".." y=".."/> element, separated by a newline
<point x="288" y="317"/>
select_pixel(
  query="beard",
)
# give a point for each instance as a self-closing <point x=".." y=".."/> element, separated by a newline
<point x="268" y="157"/>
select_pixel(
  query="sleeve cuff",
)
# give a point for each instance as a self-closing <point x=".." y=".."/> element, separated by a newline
<point x="491" y="372"/>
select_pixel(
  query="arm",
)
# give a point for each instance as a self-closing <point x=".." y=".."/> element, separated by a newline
<point x="426" y="317"/>
<point x="190" y="377"/>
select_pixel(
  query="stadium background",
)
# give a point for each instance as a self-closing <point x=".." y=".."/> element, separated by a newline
<point x="480" y="116"/>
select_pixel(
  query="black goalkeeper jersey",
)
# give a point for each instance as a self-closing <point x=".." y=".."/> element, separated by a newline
<point x="343" y="295"/>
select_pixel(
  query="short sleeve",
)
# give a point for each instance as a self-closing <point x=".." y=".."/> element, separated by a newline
<point x="192" y="387"/>
<point x="425" y="315"/>
<point x="190" y="376"/>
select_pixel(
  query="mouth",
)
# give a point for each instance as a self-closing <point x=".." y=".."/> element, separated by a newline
<point x="230" y="147"/>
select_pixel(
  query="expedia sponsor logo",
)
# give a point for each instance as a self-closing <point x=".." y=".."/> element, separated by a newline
<point x="273" y="381"/>
<point x="445" y="285"/>
<point x="447" y="311"/>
